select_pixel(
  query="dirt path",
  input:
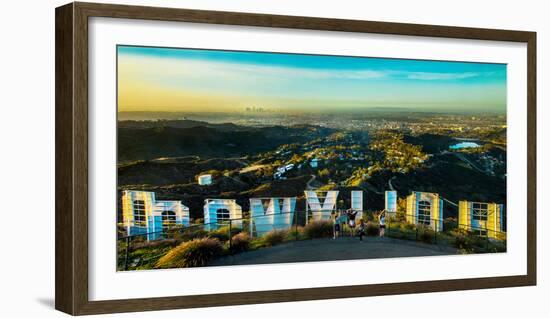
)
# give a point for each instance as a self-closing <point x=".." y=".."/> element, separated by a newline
<point x="308" y="184"/>
<point x="330" y="250"/>
<point x="390" y="185"/>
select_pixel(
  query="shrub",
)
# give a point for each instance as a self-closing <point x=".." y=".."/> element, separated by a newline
<point x="318" y="229"/>
<point x="462" y="243"/>
<point x="459" y="232"/>
<point x="426" y="234"/>
<point x="153" y="244"/>
<point x="197" y="252"/>
<point x="274" y="237"/>
<point x="400" y="216"/>
<point x="396" y="234"/>
<point x="449" y="224"/>
<point x="468" y="242"/>
<point x="222" y="233"/>
<point x="291" y="233"/>
<point x="497" y="246"/>
<point x="372" y="229"/>
<point x="408" y="226"/>
<point x="198" y="221"/>
<point x="188" y="234"/>
<point x="368" y="216"/>
<point x="240" y="242"/>
<point x="121" y="231"/>
<point x="200" y="233"/>
<point x="173" y="232"/>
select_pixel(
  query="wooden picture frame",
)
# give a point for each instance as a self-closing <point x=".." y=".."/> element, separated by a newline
<point x="71" y="90"/>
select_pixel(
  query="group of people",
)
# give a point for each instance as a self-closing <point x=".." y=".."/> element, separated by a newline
<point x="348" y="217"/>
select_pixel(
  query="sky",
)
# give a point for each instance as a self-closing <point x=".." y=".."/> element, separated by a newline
<point x="194" y="80"/>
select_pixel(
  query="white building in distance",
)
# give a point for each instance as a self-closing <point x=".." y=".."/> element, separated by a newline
<point x="221" y="212"/>
<point x="320" y="204"/>
<point x="142" y="213"/>
<point x="314" y="163"/>
<point x="205" y="179"/>
<point x="269" y="214"/>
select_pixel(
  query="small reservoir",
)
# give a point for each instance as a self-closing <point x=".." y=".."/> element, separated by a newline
<point x="464" y="144"/>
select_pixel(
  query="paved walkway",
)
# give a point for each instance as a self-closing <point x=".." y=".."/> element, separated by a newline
<point x="345" y="248"/>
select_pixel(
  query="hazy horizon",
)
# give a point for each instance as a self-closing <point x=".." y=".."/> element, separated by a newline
<point x="189" y="80"/>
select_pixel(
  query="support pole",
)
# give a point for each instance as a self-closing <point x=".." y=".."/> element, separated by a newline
<point x="435" y="232"/>
<point x="296" y="225"/>
<point x="127" y="253"/>
<point x="230" y="237"/>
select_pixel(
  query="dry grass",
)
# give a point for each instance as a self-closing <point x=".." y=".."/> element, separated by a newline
<point x="318" y="229"/>
<point x="197" y="252"/>
<point x="274" y="237"/>
<point x="240" y="242"/>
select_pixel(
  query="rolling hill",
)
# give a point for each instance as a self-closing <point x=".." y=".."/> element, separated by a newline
<point x="145" y="142"/>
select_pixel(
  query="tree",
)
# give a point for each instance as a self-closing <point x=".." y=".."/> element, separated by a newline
<point x="401" y="209"/>
<point x="324" y="173"/>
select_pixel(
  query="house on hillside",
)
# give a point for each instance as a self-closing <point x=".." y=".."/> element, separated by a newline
<point x="314" y="163"/>
<point x="205" y="179"/>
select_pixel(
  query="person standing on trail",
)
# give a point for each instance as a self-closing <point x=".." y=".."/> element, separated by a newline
<point x="382" y="223"/>
<point x="336" y="226"/>
<point x="351" y="217"/>
<point x="361" y="229"/>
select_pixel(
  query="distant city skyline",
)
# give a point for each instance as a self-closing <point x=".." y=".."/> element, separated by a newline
<point x="191" y="80"/>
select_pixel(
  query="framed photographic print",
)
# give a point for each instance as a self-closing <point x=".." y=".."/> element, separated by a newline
<point x="211" y="158"/>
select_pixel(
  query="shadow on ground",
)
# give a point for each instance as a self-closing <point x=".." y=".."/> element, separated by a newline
<point x="47" y="302"/>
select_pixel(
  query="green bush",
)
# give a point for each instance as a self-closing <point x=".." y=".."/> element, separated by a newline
<point x="318" y="229"/>
<point x="372" y="229"/>
<point x="197" y="252"/>
<point x="240" y="242"/>
<point x="398" y="234"/>
<point x="274" y="237"/>
<point x="408" y="226"/>
<point x="291" y="234"/>
<point x="449" y="224"/>
<point x="400" y="216"/>
<point x="121" y="231"/>
<point x="153" y="244"/>
<point x="497" y="246"/>
<point x="188" y="234"/>
<point x="426" y="234"/>
<point x="173" y="232"/>
<point x="371" y="216"/>
<point x="222" y="236"/>
<point x="468" y="243"/>
<point x="198" y="221"/>
<point x="458" y="232"/>
<point x="222" y="233"/>
<point x="462" y="243"/>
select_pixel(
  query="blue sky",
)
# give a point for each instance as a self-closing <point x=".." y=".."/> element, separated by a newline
<point x="164" y="79"/>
